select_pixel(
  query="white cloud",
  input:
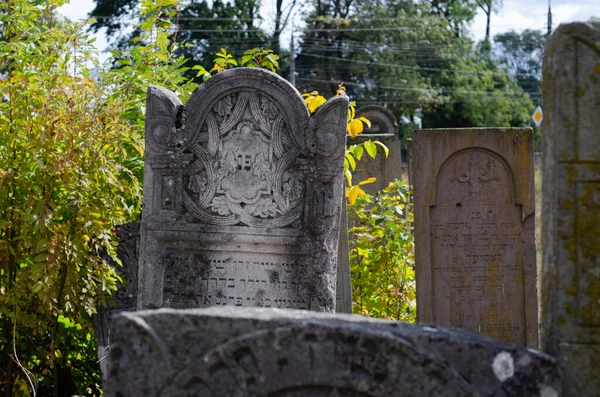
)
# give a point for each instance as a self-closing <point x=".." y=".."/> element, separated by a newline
<point x="77" y="9"/>
<point x="533" y="14"/>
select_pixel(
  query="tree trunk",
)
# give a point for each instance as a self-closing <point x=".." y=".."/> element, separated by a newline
<point x="487" y="26"/>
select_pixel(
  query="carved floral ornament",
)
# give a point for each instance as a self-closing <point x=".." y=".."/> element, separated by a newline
<point x="242" y="170"/>
<point x="251" y="142"/>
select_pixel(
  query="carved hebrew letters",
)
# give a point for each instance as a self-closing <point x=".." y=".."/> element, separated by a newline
<point x="475" y="244"/>
<point x="477" y="248"/>
<point x="242" y="194"/>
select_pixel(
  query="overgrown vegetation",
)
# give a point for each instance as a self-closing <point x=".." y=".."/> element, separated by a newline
<point x="382" y="254"/>
<point x="71" y="157"/>
<point x="71" y="165"/>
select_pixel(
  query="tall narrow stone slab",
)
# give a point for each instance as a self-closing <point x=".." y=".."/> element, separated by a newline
<point x="242" y="195"/>
<point x="233" y="352"/>
<point x="343" y="288"/>
<point x="474" y="232"/>
<point x="571" y="205"/>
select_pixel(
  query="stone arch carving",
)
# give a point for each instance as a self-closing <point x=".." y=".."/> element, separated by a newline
<point x="461" y="178"/>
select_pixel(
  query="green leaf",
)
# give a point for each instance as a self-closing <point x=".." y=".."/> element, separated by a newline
<point x="351" y="161"/>
<point x="358" y="152"/>
<point x="348" y="175"/>
<point x="385" y="148"/>
<point x="371" y="148"/>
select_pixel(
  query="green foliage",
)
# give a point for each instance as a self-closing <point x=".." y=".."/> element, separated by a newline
<point x="254" y="58"/>
<point x="478" y="94"/>
<point x="205" y="25"/>
<point x="70" y="170"/>
<point x="382" y="254"/>
<point x="261" y="58"/>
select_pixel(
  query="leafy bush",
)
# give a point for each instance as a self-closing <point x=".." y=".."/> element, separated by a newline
<point x="71" y="158"/>
<point x="382" y="254"/>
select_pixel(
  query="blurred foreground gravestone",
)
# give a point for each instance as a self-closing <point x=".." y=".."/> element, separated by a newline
<point x="384" y="128"/>
<point x="243" y="352"/>
<point x="571" y="206"/>
<point x="242" y="195"/>
<point x="474" y="232"/>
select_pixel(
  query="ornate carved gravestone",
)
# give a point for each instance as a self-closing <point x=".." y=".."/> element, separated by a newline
<point x="474" y="232"/>
<point x="571" y="205"/>
<point x="126" y="295"/>
<point x="242" y="194"/>
<point x="246" y="352"/>
<point x="384" y="128"/>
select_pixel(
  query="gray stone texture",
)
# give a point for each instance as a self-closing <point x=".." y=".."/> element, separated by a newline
<point x="384" y="128"/>
<point x="238" y="352"/>
<point x="343" y="289"/>
<point x="125" y="298"/>
<point x="474" y="232"/>
<point x="571" y="205"/>
<point x="242" y="195"/>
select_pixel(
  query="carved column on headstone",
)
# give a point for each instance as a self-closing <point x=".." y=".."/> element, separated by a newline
<point x="571" y="206"/>
<point x="474" y="232"/>
<point x="242" y="195"/>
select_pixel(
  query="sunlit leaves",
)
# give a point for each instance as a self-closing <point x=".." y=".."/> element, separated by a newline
<point x="201" y="72"/>
<point x="313" y="100"/>
<point x="353" y="154"/>
<point x="356" y="127"/>
<point x="223" y="61"/>
<point x="71" y="158"/>
<point x="260" y="58"/>
<point x="382" y="254"/>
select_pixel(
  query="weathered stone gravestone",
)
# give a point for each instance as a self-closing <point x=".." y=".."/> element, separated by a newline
<point x="125" y="298"/>
<point x="242" y="195"/>
<point x="571" y="206"/>
<point x="343" y="287"/>
<point x="474" y="232"/>
<point x="237" y="352"/>
<point x="384" y="128"/>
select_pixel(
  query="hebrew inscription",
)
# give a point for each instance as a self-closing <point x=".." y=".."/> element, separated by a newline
<point x="242" y="196"/>
<point x="475" y="258"/>
<point x="221" y="279"/>
<point x="477" y="249"/>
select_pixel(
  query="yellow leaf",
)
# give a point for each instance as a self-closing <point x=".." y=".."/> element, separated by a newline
<point x="353" y="193"/>
<point x="355" y="127"/>
<point x="366" y="121"/>
<point x="367" y="181"/>
<point x="313" y="102"/>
